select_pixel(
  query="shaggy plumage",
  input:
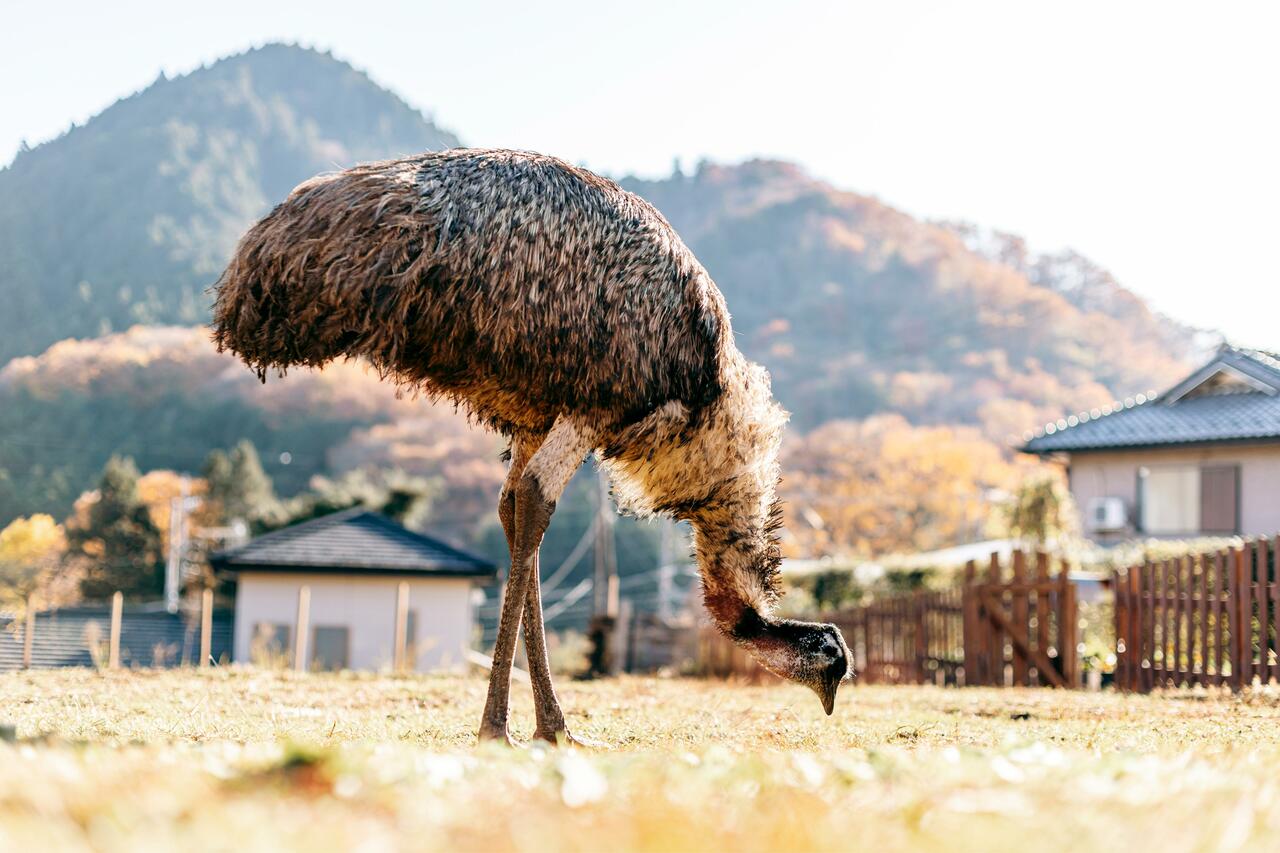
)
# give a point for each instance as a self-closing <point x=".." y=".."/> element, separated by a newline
<point x="498" y="278"/>
<point x="521" y="287"/>
<point x="526" y="289"/>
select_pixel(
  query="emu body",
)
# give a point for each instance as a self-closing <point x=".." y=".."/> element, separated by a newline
<point x="566" y="314"/>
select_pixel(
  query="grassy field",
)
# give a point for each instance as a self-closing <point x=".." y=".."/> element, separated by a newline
<point x="249" y="760"/>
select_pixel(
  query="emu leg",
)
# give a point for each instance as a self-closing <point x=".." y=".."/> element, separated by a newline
<point x="525" y="511"/>
<point x="493" y="724"/>
<point x="550" y="718"/>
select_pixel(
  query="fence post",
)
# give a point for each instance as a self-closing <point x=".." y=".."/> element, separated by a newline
<point x="1200" y="643"/>
<point x="1263" y="666"/>
<point x="401" y="622"/>
<point x="1221" y="616"/>
<point x="919" y="613"/>
<point x="1120" y="584"/>
<point x="1160" y="594"/>
<point x="1139" y="622"/>
<point x="867" y="651"/>
<point x="29" y="632"/>
<point x="300" y="629"/>
<point x="995" y="636"/>
<point x="206" y="627"/>
<point x="117" y="608"/>
<point x="1068" y="627"/>
<point x="1274" y="578"/>
<point x="1245" y="571"/>
<point x="1019" y="620"/>
<point x="1234" y="611"/>
<point x="1130" y="661"/>
<point x="970" y="632"/>
<point x="1042" y="614"/>
<point x="1179" y="617"/>
<point x="1125" y="600"/>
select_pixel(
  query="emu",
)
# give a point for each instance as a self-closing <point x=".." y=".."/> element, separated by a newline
<point x="566" y="314"/>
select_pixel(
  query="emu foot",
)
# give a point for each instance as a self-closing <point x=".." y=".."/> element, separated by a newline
<point x="562" y="737"/>
<point x="490" y="733"/>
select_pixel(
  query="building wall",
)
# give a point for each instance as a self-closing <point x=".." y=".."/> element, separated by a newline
<point x="366" y="607"/>
<point x="1115" y="474"/>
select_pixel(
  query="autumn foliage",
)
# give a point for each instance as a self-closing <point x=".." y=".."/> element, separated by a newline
<point x="882" y="485"/>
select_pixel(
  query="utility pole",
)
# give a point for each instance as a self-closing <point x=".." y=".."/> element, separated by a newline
<point x="605" y="592"/>
<point x="178" y="509"/>
<point x="666" y="569"/>
<point x="604" y="620"/>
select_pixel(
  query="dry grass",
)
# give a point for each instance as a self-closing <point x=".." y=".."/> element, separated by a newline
<point x="245" y="759"/>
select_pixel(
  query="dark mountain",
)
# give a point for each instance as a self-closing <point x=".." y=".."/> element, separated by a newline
<point x="130" y="217"/>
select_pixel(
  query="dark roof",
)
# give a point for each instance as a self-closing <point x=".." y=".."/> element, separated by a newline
<point x="147" y="637"/>
<point x="1233" y="398"/>
<point x="355" y="541"/>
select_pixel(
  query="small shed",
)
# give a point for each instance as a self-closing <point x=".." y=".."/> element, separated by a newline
<point x="353" y="564"/>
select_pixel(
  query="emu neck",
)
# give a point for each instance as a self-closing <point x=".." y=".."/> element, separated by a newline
<point x="737" y="557"/>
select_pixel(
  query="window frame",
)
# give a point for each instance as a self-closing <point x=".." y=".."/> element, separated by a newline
<point x="1143" y="502"/>
<point x="315" y="660"/>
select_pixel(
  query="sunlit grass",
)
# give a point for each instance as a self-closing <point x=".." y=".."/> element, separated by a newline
<point x="251" y="759"/>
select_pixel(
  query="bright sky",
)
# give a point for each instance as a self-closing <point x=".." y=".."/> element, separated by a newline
<point x="1144" y="134"/>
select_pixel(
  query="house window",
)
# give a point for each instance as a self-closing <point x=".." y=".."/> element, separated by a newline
<point x="270" y="640"/>
<point x="330" y="647"/>
<point x="1220" y="499"/>
<point x="1178" y="500"/>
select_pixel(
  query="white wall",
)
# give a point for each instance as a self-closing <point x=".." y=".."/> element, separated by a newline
<point x="366" y="606"/>
<point x="1115" y="474"/>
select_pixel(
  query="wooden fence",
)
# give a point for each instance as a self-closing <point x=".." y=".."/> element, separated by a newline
<point x="1211" y="618"/>
<point x="915" y="638"/>
<point x="1021" y="626"/>
<point x="1004" y="626"/>
<point x="108" y="635"/>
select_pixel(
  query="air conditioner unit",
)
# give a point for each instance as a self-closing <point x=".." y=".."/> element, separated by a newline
<point x="1106" y="515"/>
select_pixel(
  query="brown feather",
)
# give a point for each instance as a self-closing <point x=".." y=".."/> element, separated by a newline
<point x="523" y="288"/>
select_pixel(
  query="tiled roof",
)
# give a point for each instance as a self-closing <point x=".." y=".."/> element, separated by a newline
<point x="1178" y="417"/>
<point x="355" y="541"/>
<point x="147" y="638"/>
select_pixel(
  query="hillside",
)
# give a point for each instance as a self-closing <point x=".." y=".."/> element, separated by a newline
<point x="1088" y="287"/>
<point x="856" y="308"/>
<point x="165" y="397"/>
<point x="130" y="217"/>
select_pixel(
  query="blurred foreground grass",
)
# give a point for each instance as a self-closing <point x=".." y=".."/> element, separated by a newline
<point x="258" y="760"/>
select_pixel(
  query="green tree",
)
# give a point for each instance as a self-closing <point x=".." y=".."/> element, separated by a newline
<point x="30" y="552"/>
<point x="1042" y="510"/>
<point x="115" y="540"/>
<point x="407" y="498"/>
<point x="238" y="487"/>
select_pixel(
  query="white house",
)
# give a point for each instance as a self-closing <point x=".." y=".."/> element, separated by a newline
<point x="1201" y="459"/>
<point x="353" y="564"/>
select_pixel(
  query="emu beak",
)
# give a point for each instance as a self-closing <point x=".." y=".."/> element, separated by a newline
<point x="826" y="690"/>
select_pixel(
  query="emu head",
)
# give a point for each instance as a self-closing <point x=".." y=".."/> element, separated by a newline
<point x="810" y="653"/>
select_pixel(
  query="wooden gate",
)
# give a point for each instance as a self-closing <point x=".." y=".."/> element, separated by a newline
<point x="915" y="638"/>
<point x="1021" y="630"/>
<point x="1001" y="628"/>
<point x="1016" y="627"/>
